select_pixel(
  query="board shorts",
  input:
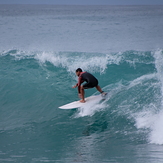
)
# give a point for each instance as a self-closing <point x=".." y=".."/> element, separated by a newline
<point x="90" y="85"/>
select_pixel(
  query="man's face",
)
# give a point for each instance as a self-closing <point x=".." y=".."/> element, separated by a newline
<point x="78" y="73"/>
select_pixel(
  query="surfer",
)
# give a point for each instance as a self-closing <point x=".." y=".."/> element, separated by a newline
<point x="90" y="80"/>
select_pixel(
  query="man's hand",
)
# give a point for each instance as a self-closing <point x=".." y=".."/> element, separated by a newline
<point x="75" y="86"/>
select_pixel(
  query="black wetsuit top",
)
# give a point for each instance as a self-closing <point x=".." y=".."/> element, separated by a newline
<point x="90" y="80"/>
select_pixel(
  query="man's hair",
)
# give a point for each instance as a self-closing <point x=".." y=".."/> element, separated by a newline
<point x="79" y="69"/>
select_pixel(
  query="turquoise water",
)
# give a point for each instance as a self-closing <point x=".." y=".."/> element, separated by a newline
<point x="39" y="53"/>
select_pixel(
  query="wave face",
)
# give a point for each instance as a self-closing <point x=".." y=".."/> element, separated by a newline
<point x="121" y="46"/>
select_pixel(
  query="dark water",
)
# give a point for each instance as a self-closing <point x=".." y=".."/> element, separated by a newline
<point x="37" y="66"/>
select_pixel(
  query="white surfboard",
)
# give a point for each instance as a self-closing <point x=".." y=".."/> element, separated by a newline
<point x="78" y="104"/>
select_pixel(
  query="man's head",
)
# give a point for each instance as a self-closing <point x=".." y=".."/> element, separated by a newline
<point x="78" y="71"/>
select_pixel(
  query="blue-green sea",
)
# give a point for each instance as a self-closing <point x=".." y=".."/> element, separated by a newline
<point x="41" y="46"/>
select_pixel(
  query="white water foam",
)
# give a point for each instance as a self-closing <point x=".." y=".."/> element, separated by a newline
<point x="151" y="117"/>
<point x="91" y="108"/>
<point x="87" y="61"/>
<point x="156" y="135"/>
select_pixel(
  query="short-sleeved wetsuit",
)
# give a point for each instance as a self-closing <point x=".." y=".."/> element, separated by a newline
<point x="90" y="80"/>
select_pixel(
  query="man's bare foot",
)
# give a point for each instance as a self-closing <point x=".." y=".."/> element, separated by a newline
<point x="83" y="101"/>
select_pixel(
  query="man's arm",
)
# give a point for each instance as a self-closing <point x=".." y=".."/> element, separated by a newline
<point x="80" y="81"/>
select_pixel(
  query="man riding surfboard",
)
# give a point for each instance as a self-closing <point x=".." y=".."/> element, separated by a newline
<point x="91" y="82"/>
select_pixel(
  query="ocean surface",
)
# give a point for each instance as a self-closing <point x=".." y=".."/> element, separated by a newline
<point x="41" y="46"/>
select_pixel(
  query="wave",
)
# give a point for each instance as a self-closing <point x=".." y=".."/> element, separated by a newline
<point x="133" y="79"/>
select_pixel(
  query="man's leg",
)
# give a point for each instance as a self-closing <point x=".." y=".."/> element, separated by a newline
<point x="99" y="88"/>
<point x="82" y="94"/>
